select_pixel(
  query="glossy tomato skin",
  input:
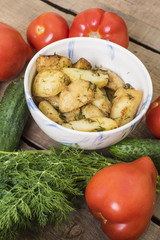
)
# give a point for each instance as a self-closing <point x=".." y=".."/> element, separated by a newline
<point x="153" y="118"/>
<point x="45" y="29"/>
<point x="96" y="22"/>
<point x="122" y="197"/>
<point x="14" y="52"/>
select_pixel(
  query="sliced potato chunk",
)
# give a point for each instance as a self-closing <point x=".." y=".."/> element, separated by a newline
<point x="49" y="83"/>
<point x="114" y="81"/>
<point x="71" y="116"/>
<point x="54" y="101"/>
<point x="92" y="125"/>
<point x="82" y="63"/>
<point x="75" y="95"/>
<point x="90" y="111"/>
<point x="100" y="79"/>
<point x="125" y="105"/>
<point x="102" y="102"/>
<point x="49" y="111"/>
<point x="52" y="62"/>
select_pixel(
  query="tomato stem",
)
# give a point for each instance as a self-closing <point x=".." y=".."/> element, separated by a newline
<point x="94" y="35"/>
<point x="40" y="30"/>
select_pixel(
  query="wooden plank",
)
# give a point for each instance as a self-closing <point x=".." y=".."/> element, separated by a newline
<point x="157" y="207"/>
<point x="142" y="17"/>
<point x="84" y="227"/>
<point x="19" y="13"/>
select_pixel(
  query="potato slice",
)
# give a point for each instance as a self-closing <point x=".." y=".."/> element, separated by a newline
<point x="54" y="101"/>
<point x="100" y="79"/>
<point x="90" y="111"/>
<point x="125" y="105"/>
<point x="49" y="83"/>
<point x="82" y="63"/>
<point x="75" y="95"/>
<point x="49" y="111"/>
<point x="52" y="62"/>
<point x="71" y="116"/>
<point x="114" y="81"/>
<point x="92" y="125"/>
<point x="102" y="102"/>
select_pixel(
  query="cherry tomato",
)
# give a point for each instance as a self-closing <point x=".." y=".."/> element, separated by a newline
<point x="45" y="29"/>
<point x="14" y="52"/>
<point x="122" y="196"/>
<point x="153" y="118"/>
<point x="96" y="22"/>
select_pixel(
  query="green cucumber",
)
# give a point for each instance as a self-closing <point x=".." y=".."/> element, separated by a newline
<point x="13" y="115"/>
<point x="132" y="148"/>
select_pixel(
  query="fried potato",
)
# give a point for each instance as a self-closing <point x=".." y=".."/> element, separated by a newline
<point x="49" y="111"/>
<point x="114" y="81"/>
<point x="125" y="105"/>
<point x="54" y="101"/>
<point x="102" y="102"/>
<point x="100" y="79"/>
<point x="52" y="62"/>
<point x="71" y="116"/>
<point x="75" y="95"/>
<point x="82" y="63"/>
<point x="83" y="98"/>
<point x="49" y="83"/>
<point x="90" y="111"/>
<point x="92" y="124"/>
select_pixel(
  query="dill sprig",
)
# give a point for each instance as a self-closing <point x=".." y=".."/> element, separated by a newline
<point x="39" y="185"/>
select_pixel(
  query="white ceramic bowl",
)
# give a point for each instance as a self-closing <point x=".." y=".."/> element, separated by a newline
<point x="100" y="53"/>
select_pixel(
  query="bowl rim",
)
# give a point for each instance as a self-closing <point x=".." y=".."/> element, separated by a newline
<point x="136" y="119"/>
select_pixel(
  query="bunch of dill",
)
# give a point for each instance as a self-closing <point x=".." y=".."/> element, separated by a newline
<point x="38" y="186"/>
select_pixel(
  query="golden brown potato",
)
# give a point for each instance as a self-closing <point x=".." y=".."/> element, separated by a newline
<point x="102" y="102"/>
<point x="75" y="95"/>
<point x="71" y="116"/>
<point x="52" y="62"/>
<point x="90" y="111"/>
<point x="54" y="101"/>
<point x="82" y="63"/>
<point x="81" y="97"/>
<point x="49" y="111"/>
<point x="92" y="125"/>
<point x="114" y="81"/>
<point x="49" y="83"/>
<point x="99" y="79"/>
<point x="125" y="105"/>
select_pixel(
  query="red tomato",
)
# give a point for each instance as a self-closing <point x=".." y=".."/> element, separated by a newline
<point x="14" y="52"/>
<point x="153" y="118"/>
<point x="45" y="29"/>
<point x="122" y="196"/>
<point x="96" y="22"/>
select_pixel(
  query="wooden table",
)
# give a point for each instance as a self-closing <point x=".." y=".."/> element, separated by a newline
<point x="142" y="18"/>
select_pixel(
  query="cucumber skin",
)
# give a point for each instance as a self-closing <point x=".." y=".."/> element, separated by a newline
<point x="131" y="149"/>
<point x="13" y="115"/>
